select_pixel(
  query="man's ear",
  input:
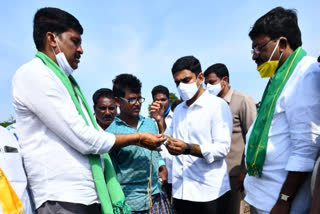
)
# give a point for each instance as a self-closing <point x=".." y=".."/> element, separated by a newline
<point x="226" y="80"/>
<point x="50" y="39"/>
<point x="283" y="44"/>
<point x="200" y="77"/>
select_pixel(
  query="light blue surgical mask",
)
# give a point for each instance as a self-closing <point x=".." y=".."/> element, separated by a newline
<point x="62" y="61"/>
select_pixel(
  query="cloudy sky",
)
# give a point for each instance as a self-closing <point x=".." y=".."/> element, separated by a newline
<point x="146" y="37"/>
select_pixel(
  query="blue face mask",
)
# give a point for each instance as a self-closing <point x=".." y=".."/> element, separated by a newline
<point x="166" y="112"/>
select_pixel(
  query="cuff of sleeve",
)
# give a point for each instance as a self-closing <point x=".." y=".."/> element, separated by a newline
<point x="206" y="153"/>
<point x="300" y="164"/>
<point x="161" y="163"/>
<point x="108" y="144"/>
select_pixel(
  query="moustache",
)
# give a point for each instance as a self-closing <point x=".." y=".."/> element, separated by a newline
<point x="77" y="56"/>
<point x="108" y="117"/>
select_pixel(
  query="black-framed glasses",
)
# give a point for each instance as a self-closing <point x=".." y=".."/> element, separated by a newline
<point x="258" y="48"/>
<point x="134" y="100"/>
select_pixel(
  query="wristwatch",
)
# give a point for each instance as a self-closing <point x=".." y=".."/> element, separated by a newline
<point x="285" y="197"/>
<point x="187" y="150"/>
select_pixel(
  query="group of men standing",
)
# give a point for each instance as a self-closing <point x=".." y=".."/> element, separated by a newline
<point x="78" y="163"/>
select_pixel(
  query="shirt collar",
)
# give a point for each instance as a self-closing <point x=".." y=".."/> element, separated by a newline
<point x="228" y="95"/>
<point x="170" y="114"/>
<point x="140" y="121"/>
<point x="201" y="101"/>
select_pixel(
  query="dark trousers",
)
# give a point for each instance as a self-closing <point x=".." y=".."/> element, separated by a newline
<point x="217" y="206"/>
<point x="54" y="207"/>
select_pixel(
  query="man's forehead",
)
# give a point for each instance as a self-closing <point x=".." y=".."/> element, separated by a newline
<point x="72" y="33"/>
<point x="106" y="100"/>
<point x="129" y="93"/>
<point x="260" y="39"/>
<point x="212" y="75"/>
<point x="183" y="74"/>
<point x="160" y="96"/>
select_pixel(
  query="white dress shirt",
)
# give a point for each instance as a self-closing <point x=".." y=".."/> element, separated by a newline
<point x="11" y="165"/>
<point x="166" y="156"/>
<point x="208" y="123"/>
<point x="55" y="140"/>
<point x="293" y="140"/>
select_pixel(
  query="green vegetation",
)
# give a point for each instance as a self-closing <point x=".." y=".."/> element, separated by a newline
<point x="8" y="122"/>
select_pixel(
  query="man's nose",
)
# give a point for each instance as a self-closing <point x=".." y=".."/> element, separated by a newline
<point x="138" y="103"/>
<point x="80" y="50"/>
<point x="254" y="55"/>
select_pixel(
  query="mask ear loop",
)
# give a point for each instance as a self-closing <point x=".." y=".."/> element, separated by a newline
<point x="224" y="81"/>
<point x="274" y="50"/>
<point x="196" y="82"/>
<point x="280" y="56"/>
<point x="57" y="45"/>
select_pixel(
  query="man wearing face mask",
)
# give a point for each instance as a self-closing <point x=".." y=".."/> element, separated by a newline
<point x="283" y="142"/>
<point x="60" y="138"/>
<point x="243" y="111"/>
<point x="199" y="138"/>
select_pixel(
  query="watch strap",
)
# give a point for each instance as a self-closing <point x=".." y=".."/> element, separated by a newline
<point x="187" y="150"/>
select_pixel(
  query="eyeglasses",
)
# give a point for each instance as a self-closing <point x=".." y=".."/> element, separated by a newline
<point x="258" y="48"/>
<point x="134" y="100"/>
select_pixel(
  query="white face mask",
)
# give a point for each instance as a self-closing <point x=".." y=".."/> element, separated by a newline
<point x="214" y="89"/>
<point x="62" y="61"/>
<point x="187" y="91"/>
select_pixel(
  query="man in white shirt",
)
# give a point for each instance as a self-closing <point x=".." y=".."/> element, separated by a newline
<point x="283" y="142"/>
<point x="200" y="136"/>
<point x="160" y="94"/>
<point x="55" y="125"/>
<point x="244" y="113"/>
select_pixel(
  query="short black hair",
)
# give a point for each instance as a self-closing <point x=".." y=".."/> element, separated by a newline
<point x="219" y="69"/>
<point x="160" y="89"/>
<point x="187" y="62"/>
<point x="102" y="92"/>
<point x="175" y="104"/>
<point x="276" y="23"/>
<point x="123" y="81"/>
<point x="53" y="20"/>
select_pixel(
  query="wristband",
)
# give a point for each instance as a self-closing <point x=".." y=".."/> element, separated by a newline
<point x="187" y="150"/>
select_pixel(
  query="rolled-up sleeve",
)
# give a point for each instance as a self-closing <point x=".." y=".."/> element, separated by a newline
<point x="303" y="114"/>
<point x="51" y="103"/>
<point x="221" y="131"/>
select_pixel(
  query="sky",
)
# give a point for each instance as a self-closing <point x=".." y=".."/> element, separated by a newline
<point x="145" y="38"/>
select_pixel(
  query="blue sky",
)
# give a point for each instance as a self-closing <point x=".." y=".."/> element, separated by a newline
<point x="146" y="37"/>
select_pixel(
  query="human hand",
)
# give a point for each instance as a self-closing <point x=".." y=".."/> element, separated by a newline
<point x="157" y="110"/>
<point x="175" y="146"/>
<point x="163" y="174"/>
<point x="150" y="141"/>
<point x="281" y="207"/>
<point x="241" y="179"/>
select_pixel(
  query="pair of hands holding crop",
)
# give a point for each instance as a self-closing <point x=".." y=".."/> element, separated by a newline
<point x="153" y="141"/>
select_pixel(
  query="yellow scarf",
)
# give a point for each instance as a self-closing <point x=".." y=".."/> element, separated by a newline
<point x="10" y="203"/>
